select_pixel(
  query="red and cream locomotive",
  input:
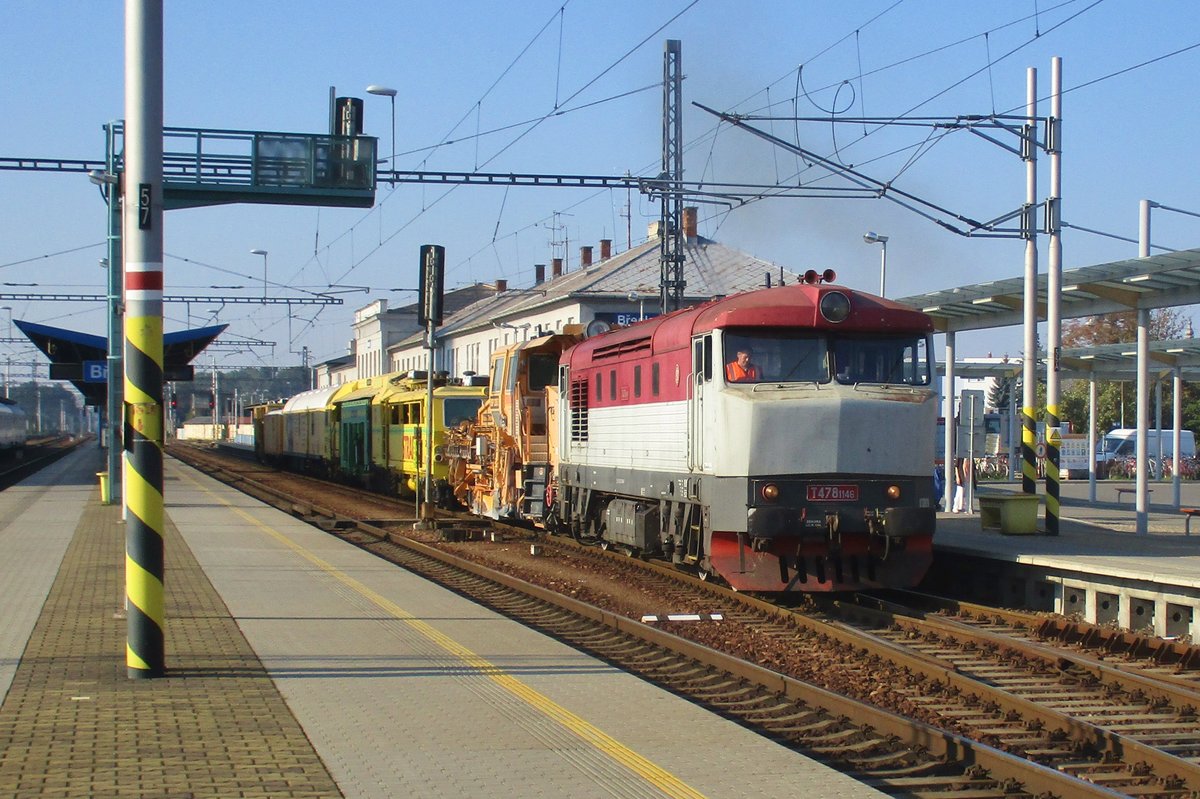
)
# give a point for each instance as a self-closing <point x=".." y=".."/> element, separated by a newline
<point x="779" y="438"/>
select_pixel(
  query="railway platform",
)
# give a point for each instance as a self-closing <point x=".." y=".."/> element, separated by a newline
<point x="1097" y="568"/>
<point x="301" y="666"/>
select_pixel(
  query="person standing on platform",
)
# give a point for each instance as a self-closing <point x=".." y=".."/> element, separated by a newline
<point x="959" y="485"/>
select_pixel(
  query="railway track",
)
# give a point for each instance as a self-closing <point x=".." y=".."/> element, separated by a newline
<point x="37" y="454"/>
<point x="940" y="707"/>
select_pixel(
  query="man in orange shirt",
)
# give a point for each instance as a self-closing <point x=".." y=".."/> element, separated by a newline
<point x="741" y="370"/>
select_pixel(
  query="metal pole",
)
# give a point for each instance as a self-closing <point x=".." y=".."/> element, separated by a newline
<point x="143" y="240"/>
<point x="1014" y="441"/>
<point x="1092" y="437"/>
<point x="1158" y="449"/>
<point x="948" y="414"/>
<point x="969" y="472"/>
<point x="883" y="268"/>
<point x="1176" y="438"/>
<point x="1143" y="418"/>
<point x="1053" y="299"/>
<point x="114" y="401"/>
<point x="1029" y="231"/>
<point x="1143" y="382"/>
<point x="427" y="509"/>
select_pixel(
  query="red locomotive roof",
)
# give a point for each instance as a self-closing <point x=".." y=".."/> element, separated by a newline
<point x="783" y="306"/>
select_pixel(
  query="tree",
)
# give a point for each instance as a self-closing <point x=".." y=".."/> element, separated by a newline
<point x="1116" y="401"/>
<point x="999" y="394"/>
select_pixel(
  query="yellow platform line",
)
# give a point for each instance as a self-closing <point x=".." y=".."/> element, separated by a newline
<point x="657" y="776"/>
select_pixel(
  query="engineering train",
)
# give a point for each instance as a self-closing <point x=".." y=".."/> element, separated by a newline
<point x="14" y="426"/>
<point x="369" y="432"/>
<point x="812" y="475"/>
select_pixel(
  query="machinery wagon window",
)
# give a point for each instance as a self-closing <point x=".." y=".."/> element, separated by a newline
<point x="495" y="381"/>
<point x="543" y="370"/>
<point x="456" y="410"/>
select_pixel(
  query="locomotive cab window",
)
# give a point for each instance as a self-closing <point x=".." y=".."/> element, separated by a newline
<point x="702" y="358"/>
<point x="775" y="356"/>
<point x="889" y="359"/>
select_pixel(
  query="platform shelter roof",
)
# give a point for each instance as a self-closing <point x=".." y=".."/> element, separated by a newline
<point x="1105" y="361"/>
<point x="1157" y="281"/>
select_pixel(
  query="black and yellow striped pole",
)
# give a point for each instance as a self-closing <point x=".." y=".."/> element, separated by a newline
<point x="1028" y="450"/>
<point x="143" y="352"/>
<point x="1053" y="444"/>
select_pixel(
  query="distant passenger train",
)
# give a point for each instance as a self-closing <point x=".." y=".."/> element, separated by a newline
<point x="14" y="425"/>
<point x="808" y="467"/>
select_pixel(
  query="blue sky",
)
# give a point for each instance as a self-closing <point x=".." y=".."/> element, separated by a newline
<point x="468" y="68"/>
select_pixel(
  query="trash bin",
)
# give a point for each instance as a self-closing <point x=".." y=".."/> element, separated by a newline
<point x="103" y="487"/>
<point x="1011" y="514"/>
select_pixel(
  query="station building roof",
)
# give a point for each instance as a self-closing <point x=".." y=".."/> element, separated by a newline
<point x="710" y="270"/>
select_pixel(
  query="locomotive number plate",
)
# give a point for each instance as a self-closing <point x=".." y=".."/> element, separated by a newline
<point x="833" y="493"/>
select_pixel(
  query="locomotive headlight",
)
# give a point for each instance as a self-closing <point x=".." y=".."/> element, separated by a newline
<point x="835" y="306"/>
<point x="893" y="492"/>
<point x="769" y="492"/>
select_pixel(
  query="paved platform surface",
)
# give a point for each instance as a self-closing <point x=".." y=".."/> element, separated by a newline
<point x="1095" y="537"/>
<point x="301" y="666"/>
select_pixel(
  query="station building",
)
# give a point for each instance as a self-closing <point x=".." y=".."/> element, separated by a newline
<point x="607" y="290"/>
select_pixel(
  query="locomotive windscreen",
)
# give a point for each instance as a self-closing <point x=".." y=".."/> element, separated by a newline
<point x="877" y="358"/>
<point x="810" y="356"/>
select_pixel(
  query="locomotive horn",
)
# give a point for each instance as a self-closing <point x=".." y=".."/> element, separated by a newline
<point x="811" y="277"/>
<point x="828" y="276"/>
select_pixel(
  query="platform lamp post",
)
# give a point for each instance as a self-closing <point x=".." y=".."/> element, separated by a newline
<point x="384" y="91"/>
<point x="874" y="238"/>
<point x="263" y="253"/>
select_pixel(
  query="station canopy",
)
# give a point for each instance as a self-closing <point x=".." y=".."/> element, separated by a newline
<point x="1157" y="281"/>
<point x="1105" y="362"/>
<point x="82" y="357"/>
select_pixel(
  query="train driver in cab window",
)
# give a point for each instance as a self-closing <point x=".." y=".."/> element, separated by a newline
<point x="741" y="369"/>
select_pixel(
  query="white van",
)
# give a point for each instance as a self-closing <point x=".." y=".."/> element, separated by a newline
<point x="1122" y="443"/>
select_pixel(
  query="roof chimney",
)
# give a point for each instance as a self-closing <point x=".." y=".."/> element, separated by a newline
<point x="689" y="222"/>
<point x="556" y="268"/>
<point x="501" y="286"/>
<point x="605" y="249"/>
<point x="585" y="257"/>
<point x="539" y="274"/>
